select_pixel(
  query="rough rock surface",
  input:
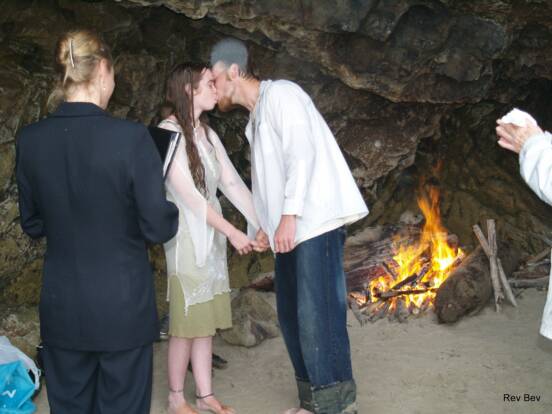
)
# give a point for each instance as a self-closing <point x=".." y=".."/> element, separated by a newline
<point x="21" y="326"/>
<point x="404" y="84"/>
<point x="253" y="318"/>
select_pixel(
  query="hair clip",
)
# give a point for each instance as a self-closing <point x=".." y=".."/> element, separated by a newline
<point x="71" y="53"/>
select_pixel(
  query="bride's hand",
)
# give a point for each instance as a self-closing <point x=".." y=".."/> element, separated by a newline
<point x="240" y="241"/>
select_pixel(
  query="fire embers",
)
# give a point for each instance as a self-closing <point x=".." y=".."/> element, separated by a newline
<point x="405" y="276"/>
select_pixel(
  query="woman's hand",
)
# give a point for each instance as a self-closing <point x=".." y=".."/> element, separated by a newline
<point x="262" y="241"/>
<point x="241" y="242"/>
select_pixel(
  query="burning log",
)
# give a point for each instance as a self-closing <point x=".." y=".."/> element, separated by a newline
<point x="394" y="293"/>
<point x="423" y="272"/>
<point x="408" y="280"/>
<point x="361" y="318"/>
<point x="402" y="268"/>
<point x="469" y="288"/>
<point x="390" y="270"/>
<point x="370" y="308"/>
<point x="380" y="312"/>
<point x="402" y="311"/>
<point x="359" y="277"/>
<point x="453" y="241"/>
<point x="367" y="293"/>
<point x="366" y="253"/>
<point x="392" y="314"/>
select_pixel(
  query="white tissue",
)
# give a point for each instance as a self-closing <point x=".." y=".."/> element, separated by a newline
<point x="518" y="118"/>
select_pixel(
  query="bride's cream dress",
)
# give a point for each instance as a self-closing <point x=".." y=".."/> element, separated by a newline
<point x="198" y="288"/>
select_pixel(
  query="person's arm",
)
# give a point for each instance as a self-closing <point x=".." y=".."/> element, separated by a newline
<point x="535" y="154"/>
<point x="198" y="212"/>
<point x="232" y="185"/>
<point x="158" y="218"/>
<point x="30" y="219"/>
<point x="535" y="160"/>
<point x="239" y="195"/>
<point x="290" y="119"/>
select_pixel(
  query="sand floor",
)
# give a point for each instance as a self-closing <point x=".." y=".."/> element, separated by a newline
<point x="416" y="367"/>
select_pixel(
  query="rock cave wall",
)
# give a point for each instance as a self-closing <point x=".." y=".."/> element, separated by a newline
<point x="403" y="84"/>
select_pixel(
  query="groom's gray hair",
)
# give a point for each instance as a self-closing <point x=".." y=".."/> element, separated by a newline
<point x="230" y="50"/>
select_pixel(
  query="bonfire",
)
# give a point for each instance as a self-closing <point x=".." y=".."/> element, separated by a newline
<point x="407" y="283"/>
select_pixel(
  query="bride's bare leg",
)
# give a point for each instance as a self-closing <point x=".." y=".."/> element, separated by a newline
<point x="201" y="355"/>
<point x="178" y="359"/>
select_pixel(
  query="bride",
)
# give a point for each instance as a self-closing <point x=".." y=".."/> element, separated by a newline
<point x="198" y="288"/>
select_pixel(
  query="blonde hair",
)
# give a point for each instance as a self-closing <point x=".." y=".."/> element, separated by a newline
<point x="77" y="56"/>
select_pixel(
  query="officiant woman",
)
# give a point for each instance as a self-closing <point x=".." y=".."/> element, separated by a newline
<point x="92" y="186"/>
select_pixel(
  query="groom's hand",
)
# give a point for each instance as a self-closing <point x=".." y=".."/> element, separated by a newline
<point x="284" y="238"/>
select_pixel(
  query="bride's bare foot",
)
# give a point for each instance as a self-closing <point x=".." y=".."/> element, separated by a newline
<point x="178" y="405"/>
<point x="297" y="411"/>
<point x="210" y="403"/>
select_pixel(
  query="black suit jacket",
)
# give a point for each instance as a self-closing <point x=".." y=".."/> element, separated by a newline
<point x="92" y="185"/>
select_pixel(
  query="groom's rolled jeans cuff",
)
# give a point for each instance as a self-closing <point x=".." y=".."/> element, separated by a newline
<point x="304" y="390"/>
<point x="337" y="398"/>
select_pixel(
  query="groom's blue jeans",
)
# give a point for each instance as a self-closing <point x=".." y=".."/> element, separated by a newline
<point x="312" y="311"/>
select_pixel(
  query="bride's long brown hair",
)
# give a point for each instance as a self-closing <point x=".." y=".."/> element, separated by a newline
<point x="181" y="83"/>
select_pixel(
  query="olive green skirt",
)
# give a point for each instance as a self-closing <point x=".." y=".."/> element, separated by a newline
<point x="203" y="319"/>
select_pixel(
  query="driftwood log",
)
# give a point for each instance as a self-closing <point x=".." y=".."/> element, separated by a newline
<point x="541" y="282"/>
<point x="469" y="287"/>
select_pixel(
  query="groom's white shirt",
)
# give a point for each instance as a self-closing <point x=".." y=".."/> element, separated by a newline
<point x="297" y="166"/>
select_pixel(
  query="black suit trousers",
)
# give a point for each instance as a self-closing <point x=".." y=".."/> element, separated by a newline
<point x="82" y="382"/>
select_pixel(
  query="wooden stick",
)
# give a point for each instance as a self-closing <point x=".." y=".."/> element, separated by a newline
<point x="422" y="273"/>
<point x="380" y="312"/>
<point x="390" y="271"/>
<point x="425" y="305"/>
<point x="402" y="311"/>
<point x="367" y="293"/>
<point x="530" y="283"/>
<point x="490" y="248"/>
<point x="507" y="289"/>
<point x="538" y="263"/>
<point x="370" y="308"/>
<point x="406" y="281"/>
<point x="539" y="256"/>
<point x="491" y="234"/>
<point x="482" y="240"/>
<point x="395" y="293"/>
<point x="521" y="274"/>
<point x="358" y="315"/>
<point x="392" y="313"/>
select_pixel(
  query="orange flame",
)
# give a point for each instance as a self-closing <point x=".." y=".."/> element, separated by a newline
<point x="427" y="263"/>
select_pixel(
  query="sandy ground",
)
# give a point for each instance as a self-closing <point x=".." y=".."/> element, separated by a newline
<point x="416" y="367"/>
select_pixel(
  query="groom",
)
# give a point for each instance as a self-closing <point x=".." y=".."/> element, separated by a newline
<point x="304" y="195"/>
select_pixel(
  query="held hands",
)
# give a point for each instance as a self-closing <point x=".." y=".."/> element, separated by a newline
<point x="262" y="241"/>
<point x="241" y="242"/>
<point x="284" y="238"/>
<point x="513" y="137"/>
